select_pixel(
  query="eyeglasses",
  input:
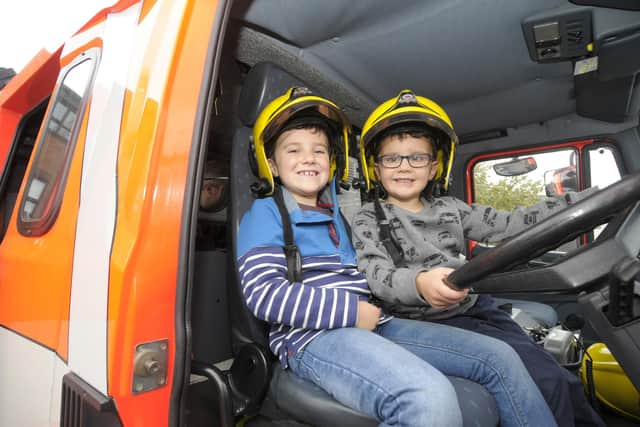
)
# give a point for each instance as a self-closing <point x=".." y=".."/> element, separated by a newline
<point x="418" y="160"/>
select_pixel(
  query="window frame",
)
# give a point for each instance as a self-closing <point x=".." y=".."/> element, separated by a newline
<point x="39" y="226"/>
<point x="495" y="156"/>
<point x="578" y="145"/>
<point x="582" y="146"/>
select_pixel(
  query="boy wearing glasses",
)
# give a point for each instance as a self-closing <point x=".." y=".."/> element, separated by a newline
<point x="408" y="240"/>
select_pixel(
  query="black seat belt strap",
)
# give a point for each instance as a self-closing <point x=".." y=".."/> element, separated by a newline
<point x="391" y="245"/>
<point x="291" y="252"/>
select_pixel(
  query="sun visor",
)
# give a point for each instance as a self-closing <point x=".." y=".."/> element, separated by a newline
<point x="605" y="92"/>
<point x="619" y="56"/>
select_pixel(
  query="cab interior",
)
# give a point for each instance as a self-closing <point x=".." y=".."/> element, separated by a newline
<point x="519" y="80"/>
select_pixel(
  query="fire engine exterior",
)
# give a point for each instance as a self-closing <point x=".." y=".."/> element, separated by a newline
<point x="83" y="291"/>
<point x="120" y="303"/>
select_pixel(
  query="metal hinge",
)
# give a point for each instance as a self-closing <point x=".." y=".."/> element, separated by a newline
<point x="150" y="366"/>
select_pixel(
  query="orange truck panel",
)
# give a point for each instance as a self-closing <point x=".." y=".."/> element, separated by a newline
<point x="156" y="125"/>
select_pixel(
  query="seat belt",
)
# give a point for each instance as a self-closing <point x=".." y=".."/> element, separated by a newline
<point x="291" y="252"/>
<point x="386" y="235"/>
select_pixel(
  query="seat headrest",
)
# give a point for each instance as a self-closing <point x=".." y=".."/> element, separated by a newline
<point x="264" y="82"/>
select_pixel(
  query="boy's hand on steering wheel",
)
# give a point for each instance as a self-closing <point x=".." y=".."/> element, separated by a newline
<point x="435" y="291"/>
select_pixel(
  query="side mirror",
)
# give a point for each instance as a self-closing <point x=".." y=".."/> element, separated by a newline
<point x="560" y="181"/>
<point x="516" y="167"/>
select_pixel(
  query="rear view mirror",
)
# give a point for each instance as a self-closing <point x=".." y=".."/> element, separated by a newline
<point x="516" y="167"/>
<point x="560" y="181"/>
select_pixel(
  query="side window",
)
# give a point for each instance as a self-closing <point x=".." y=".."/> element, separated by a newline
<point x="603" y="171"/>
<point x="603" y="167"/>
<point x="45" y="186"/>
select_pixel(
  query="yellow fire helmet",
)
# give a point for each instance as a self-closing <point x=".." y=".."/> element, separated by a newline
<point x="408" y="108"/>
<point x="612" y="387"/>
<point x="301" y="105"/>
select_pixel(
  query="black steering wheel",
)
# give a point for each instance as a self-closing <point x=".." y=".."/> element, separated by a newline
<point x="549" y="233"/>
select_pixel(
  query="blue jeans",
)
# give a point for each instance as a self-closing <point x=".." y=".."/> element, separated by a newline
<point x="406" y="387"/>
<point x="562" y="390"/>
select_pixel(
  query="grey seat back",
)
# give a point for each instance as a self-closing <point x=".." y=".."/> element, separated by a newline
<point x="264" y="83"/>
<point x="245" y="327"/>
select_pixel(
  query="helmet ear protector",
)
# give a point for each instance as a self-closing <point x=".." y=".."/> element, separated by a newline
<point x="296" y="108"/>
<point x="405" y="111"/>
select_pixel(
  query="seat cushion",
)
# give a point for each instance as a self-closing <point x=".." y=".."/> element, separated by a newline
<point x="308" y="403"/>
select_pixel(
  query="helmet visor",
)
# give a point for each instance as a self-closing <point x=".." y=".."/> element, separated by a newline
<point x="415" y="116"/>
<point x="277" y="122"/>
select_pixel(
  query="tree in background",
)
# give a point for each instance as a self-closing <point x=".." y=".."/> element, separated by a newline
<point x="508" y="192"/>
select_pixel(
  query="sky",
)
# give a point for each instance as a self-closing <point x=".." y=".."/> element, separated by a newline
<point x="26" y="26"/>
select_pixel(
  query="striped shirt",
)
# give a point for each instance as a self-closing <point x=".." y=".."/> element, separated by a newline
<point x="299" y="312"/>
<point x="331" y="286"/>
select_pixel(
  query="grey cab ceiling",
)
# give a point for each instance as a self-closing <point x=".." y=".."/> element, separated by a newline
<point x="471" y="56"/>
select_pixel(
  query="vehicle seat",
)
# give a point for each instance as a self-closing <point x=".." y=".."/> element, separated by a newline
<point x="297" y="398"/>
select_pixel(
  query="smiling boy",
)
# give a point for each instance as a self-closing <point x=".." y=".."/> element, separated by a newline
<point x="409" y="242"/>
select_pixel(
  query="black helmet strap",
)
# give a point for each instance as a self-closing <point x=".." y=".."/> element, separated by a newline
<point x="291" y="252"/>
<point x="386" y="234"/>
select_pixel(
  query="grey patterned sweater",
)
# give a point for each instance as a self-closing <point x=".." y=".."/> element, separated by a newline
<point x="435" y="237"/>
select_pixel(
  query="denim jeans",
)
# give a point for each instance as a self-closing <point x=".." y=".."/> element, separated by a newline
<point x="562" y="390"/>
<point x="396" y="375"/>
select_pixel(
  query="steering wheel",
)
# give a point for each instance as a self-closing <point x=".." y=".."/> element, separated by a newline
<point x="549" y="233"/>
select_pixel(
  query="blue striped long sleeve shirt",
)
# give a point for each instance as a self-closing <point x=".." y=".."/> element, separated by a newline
<point x="331" y="287"/>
